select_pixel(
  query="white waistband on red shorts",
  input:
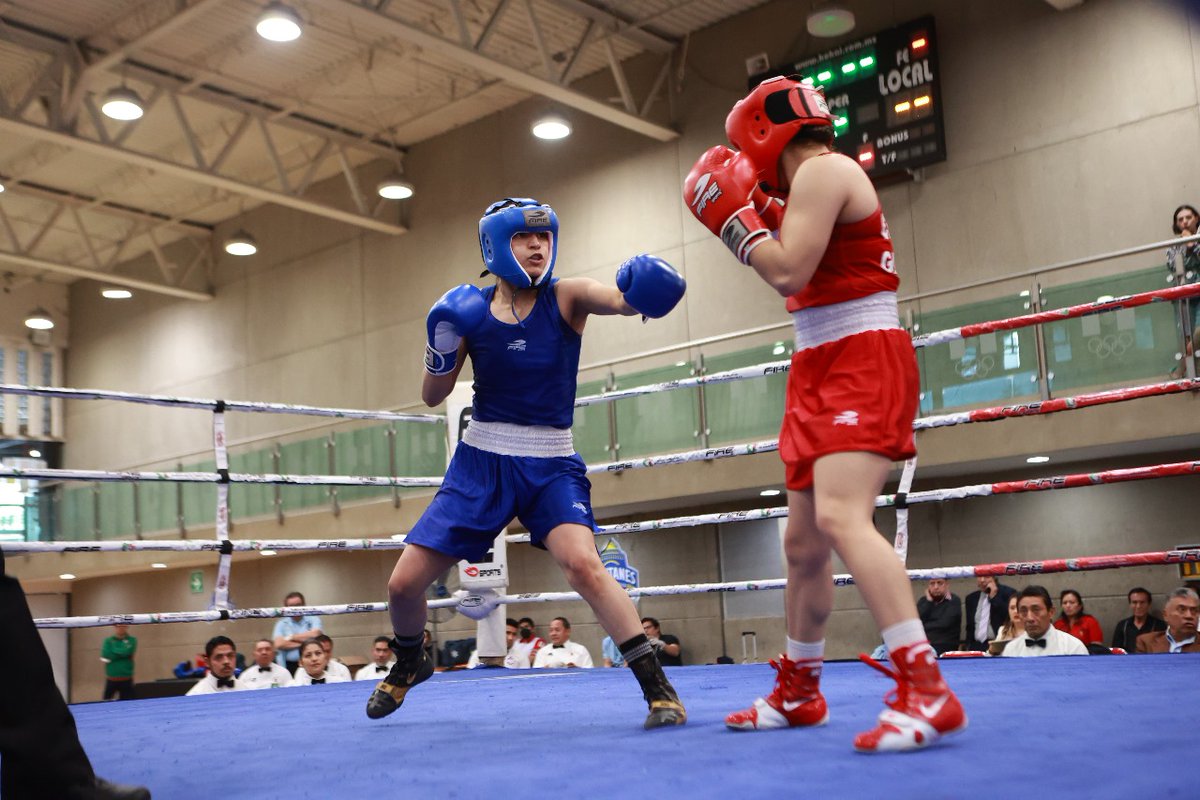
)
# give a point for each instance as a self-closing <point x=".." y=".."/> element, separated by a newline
<point x="820" y="325"/>
<point x="510" y="439"/>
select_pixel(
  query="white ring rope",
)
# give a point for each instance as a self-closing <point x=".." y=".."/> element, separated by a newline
<point x="214" y="477"/>
<point x="213" y="405"/>
<point x="1078" y="564"/>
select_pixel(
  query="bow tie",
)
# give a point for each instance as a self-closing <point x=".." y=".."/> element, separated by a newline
<point x="1036" y="643"/>
<point x="558" y="647"/>
<point x="381" y="668"/>
<point x="318" y="680"/>
<point x="225" y="683"/>
<point x="264" y="670"/>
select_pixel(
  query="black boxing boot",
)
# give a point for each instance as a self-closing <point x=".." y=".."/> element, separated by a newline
<point x="413" y="666"/>
<point x="665" y="708"/>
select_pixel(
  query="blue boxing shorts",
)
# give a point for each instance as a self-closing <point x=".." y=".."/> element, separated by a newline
<point x="483" y="492"/>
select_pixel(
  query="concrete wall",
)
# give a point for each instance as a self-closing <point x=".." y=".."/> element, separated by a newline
<point x="1058" y="148"/>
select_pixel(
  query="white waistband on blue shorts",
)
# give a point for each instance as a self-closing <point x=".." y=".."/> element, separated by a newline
<point x="510" y="439"/>
<point x="820" y="325"/>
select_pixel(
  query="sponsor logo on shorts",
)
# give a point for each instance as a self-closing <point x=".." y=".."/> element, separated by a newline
<point x="517" y="344"/>
<point x="846" y="418"/>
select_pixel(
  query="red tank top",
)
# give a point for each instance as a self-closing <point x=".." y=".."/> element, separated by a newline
<point x="858" y="262"/>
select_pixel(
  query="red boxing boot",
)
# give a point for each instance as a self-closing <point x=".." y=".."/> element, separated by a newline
<point x="920" y="710"/>
<point x="795" y="702"/>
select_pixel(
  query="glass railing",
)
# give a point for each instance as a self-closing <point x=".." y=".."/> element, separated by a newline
<point x="1113" y="348"/>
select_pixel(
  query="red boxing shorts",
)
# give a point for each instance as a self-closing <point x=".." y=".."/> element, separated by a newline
<point x="856" y="394"/>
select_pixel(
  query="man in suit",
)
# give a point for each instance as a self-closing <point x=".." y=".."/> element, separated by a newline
<point x="40" y="753"/>
<point x="987" y="610"/>
<point x="1181" y="614"/>
<point x="941" y="614"/>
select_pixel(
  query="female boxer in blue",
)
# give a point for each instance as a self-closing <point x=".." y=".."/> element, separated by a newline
<point x="516" y="458"/>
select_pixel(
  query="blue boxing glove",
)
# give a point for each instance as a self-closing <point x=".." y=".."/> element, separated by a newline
<point x="650" y="285"/>
<point x="456" y="314"/>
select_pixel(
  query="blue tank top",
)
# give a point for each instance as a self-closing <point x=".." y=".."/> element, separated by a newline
<point x="525" y="373"/>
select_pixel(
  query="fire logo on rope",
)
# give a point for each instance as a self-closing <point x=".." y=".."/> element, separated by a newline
<point x="616" y="561"/>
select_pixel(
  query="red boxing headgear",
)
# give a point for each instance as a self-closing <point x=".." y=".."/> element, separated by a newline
<point x="763" y="122"/>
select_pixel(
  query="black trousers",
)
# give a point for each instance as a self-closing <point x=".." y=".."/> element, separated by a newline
<point x="40" y="753"/>
<point x="122" y="690"/>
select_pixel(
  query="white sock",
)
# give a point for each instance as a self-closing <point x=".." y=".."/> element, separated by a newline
<point x="904" y="634"/>
<point x="805" y="651"/>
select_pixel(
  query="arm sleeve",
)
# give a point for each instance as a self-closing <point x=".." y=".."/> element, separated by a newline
<point x="1094" y="633"/>
<point x="106" y="649"/>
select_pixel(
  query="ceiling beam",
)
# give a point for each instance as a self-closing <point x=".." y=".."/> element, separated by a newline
<point x="618" y="26"/>
<point x="31" y="262"/>
<point x="114" y="58"/>
<point x="31" y="131"/>
<point x="509" y="74"/>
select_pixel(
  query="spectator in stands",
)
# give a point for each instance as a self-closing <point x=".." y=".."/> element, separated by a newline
<point x="117" y="653"/>
<point x="1141" y="620"/>
<point x="510" y="636"/>
<point x="264" y="673"/>
<point x="941" y="614"/>
<point x="221" y="654"/>
<point x="313" y="666"/>
<point x="987" y="609"/>
<point x="291" y="632"/>
<point x="562" y="652"/>
<point x="670" y="651"/>
<point x="1184" y="223"/>
<point x="1077" y="622"/>
<point x="1181" y="613"/>
<point x="332" y="664"/>
<point x="1041" y="638"/>
<point x="525" y="648"/>
<point x="381" y="661"/>
<point x="1009" y="630"/>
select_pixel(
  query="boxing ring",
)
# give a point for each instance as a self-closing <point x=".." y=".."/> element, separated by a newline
<point x="467" y="734"/>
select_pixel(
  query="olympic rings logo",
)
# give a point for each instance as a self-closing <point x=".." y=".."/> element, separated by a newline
<point x="970" y="368"/>
<point x="1113" y="344"/>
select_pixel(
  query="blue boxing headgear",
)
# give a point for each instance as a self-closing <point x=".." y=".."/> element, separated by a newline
<point x="503" y="220"/>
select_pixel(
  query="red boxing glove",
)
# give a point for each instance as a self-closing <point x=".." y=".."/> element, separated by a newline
<point x="769" y="208"/>
<point x="717" y="191"/>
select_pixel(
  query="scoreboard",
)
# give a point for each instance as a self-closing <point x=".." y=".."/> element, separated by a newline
<point x="884" y="93"/>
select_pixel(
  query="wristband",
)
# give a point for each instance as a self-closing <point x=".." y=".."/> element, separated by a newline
<point x="743" y="232"/>
<point x="438" y="363"/>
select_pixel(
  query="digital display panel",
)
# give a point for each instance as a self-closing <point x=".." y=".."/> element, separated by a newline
<point x="884" y="93"/>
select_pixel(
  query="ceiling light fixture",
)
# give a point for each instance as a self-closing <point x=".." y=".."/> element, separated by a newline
<point x="35" y="453"/>
<point x="770" y="493"/>
<point x="551" y="126"/>
<point x="1037" y="459"/>
<point x="394" y="187"/>
<point x="122" y="103"/>
<point x="241" y="243"/>
<point x="67" y="576"/>
<point x="115" y="293"/>
<point x="158" y="565"/>
<point x="830" y="19"/>
<point x="39" y="320"/>
<point x="279" y="23"/>
<point x="1" y="188"/>
<point x="266" y="552"/>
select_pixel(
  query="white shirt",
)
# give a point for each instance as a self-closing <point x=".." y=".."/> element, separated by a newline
<point x="334" y="667"/>
<point x="1058" y="643"/>
<point x="518" y="654"/>
<point x="304" y="679"/>
<point x="208" y="685"/>
<point x="1177" y="647"/>
<point x="373" y="672"/>
<point x="560" y="656"/>
<point x="272" y="677"/>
